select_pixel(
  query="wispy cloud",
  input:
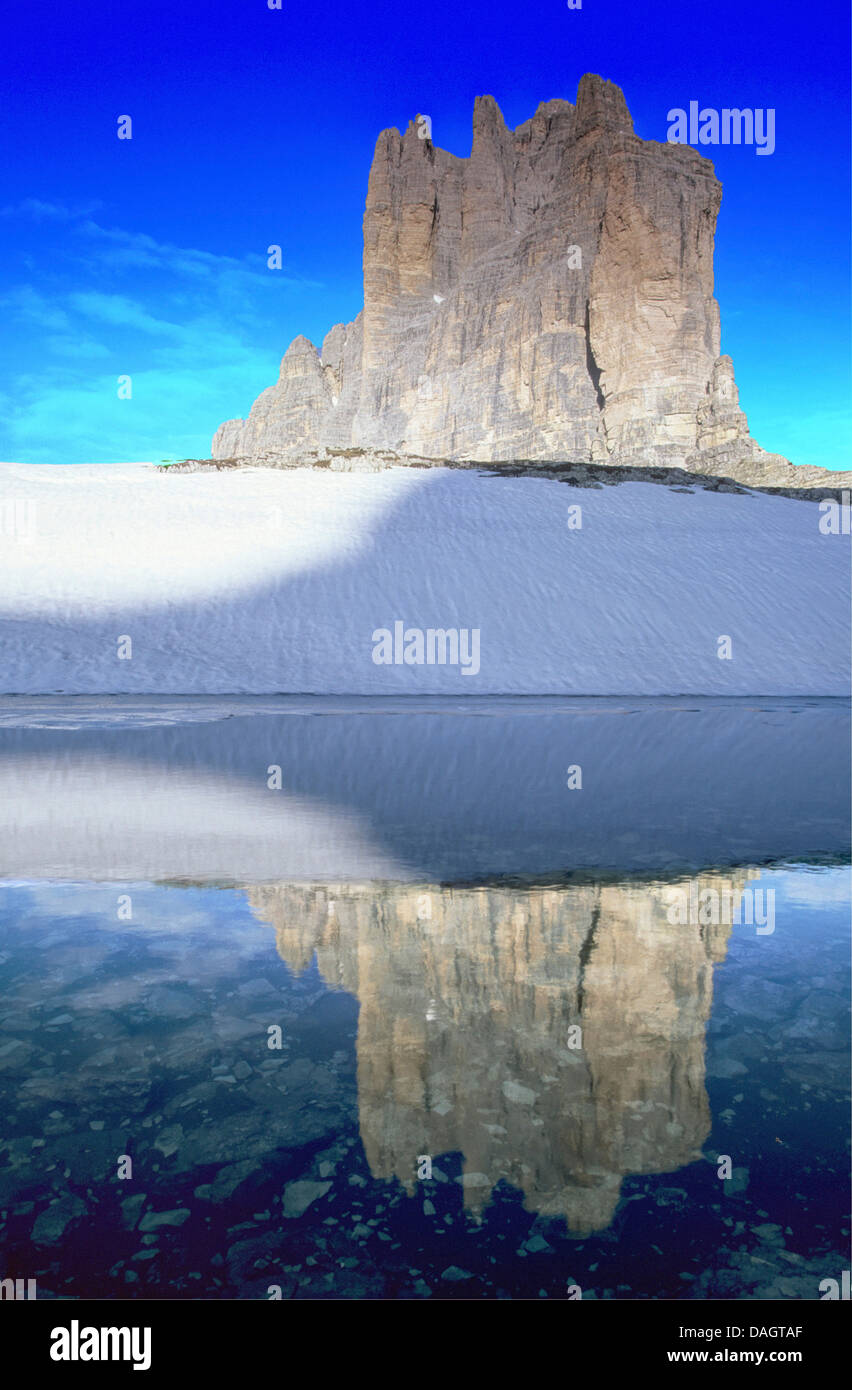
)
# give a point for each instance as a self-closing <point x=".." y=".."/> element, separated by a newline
<point x="119" y="249"/>
<point x="117" y="309"/>
<point x="41" y="211"/>
<point x="25" y="304"/>
<point x="199" y="333"/>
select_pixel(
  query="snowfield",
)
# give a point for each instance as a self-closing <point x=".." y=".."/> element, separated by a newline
<point x="126" y="579"/>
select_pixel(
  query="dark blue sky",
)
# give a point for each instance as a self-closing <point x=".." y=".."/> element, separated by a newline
<point x="254" y="126"/>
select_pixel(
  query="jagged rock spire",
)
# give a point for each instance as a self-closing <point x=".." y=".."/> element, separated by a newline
<point x="549" y="297"/>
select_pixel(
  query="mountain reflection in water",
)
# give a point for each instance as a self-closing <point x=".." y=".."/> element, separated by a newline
<point x="475" y="969"/>
<point x="470" y="1000"/>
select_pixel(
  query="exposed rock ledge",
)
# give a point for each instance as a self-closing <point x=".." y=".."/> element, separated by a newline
<point x="777" y="476"/>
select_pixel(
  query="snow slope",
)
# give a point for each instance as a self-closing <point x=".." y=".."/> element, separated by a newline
<point x="260" y="581"/>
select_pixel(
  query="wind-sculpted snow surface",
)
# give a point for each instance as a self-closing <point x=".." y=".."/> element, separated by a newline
<point x="413" y="582"/>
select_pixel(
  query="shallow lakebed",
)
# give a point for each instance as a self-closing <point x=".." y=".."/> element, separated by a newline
<point x="427" y="1021"/>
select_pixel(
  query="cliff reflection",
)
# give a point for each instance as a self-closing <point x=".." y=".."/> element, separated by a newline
<point x="552" y="1035"/>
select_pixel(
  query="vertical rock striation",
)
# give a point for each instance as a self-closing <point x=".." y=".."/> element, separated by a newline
<point x="548" y="298"/>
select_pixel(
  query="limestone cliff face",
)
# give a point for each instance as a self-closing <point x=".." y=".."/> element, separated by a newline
<point x="548" y="298"/>
<point x="468" y="999"/>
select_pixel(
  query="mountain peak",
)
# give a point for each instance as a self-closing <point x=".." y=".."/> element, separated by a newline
<point x="548" y="298"/>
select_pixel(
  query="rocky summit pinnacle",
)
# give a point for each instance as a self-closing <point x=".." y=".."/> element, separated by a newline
<point x="548" y="298"/>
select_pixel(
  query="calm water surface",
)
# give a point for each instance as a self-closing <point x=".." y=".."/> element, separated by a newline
<point x="331" y="1000"/>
